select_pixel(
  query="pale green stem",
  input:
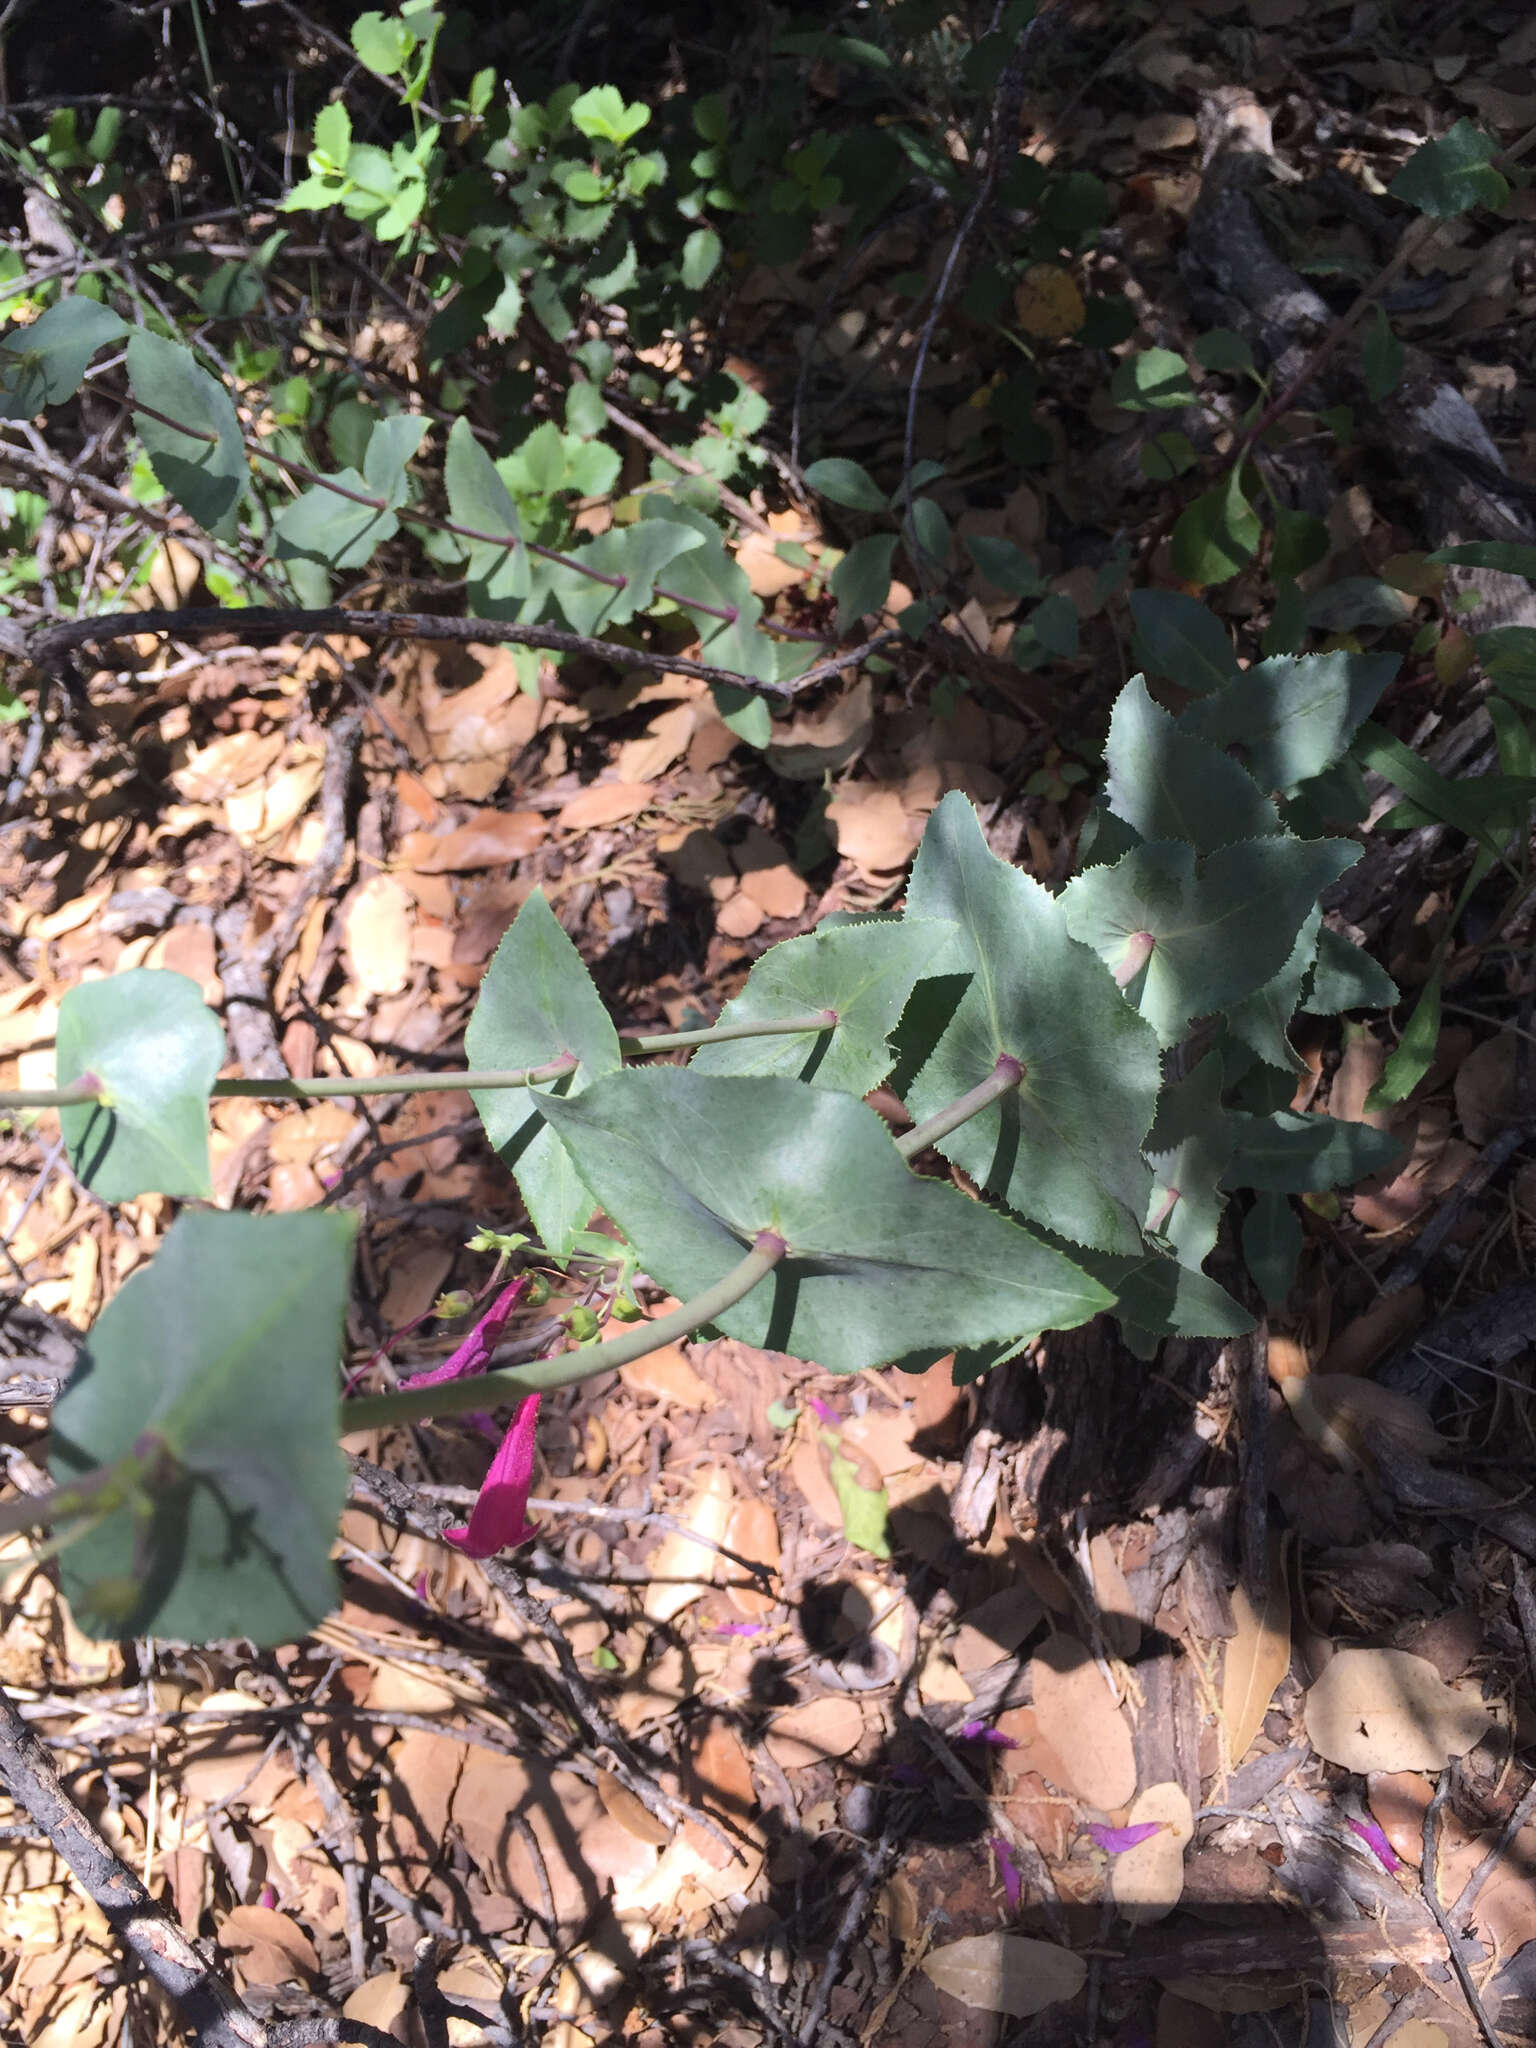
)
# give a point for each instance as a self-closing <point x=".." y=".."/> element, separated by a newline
<point x="88" y="1089"/>
<point x="94" y="1493"/>
<point x="1004" y="1077"/>
<point x="513" y="1382"/>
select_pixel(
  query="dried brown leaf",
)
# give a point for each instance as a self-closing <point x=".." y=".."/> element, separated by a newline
<point x="809" y="1734"/>
<point x="604" y="803"/>
<point x="1386" y="1710"/>
<point x="488" y="839"/>
<point x="994" y="1629"/>
<point x="1006" y="1973"/>
<point x="1256" y="1660"/>
<point x="683" y="1568"/>
<point x="268" y="1947"/>
<point x="1082" y="1723"/>
<point x="753" y="1532"/>
<point x="875" y="829"/>
<point x="1146" y="1881"/>
<point x="667" y="1376"/>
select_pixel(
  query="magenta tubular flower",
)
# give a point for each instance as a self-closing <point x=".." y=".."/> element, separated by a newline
<point x="1115" y="1841"/>
<point x="1376" y="1841"/>
<point x="824" y="1412"/>
<point x="474" y="1354"/>
<point x="499" y="1520"/>
<point x="1009" y="1872"/>
<point x="983" y="1731"/>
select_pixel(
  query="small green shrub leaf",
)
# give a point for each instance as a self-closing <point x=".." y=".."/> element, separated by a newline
<point x="701" y="258"/>
<point x="1451" y="175"/>
<point x="1290" y="1153"/>
<point x="1301" y="540"/>
<point x="1179" y="637"/>
<point x="638" y="553"/>
<point x="225" y="1349"/>
<point x="862" y="579"/>
<point x="201" y="461"/>
<point x="1166" y="456"/>
<point x="1293" y="716"/>
<point x="1055" y="624"/>
<point x="602" y="113"/>
<point x="1187" y="940"/>
<point x="1167" y="783"/>
<point x="537" y="1003"/>
<point x="479" y="500"/>
<point x="156" y="1048"/>
<point x="323" y="526"/>
<point x="1065" y="1146"/>
<point x="846" y="483"/>
<point x="1152" y="380"/>
<point x="864" y="972"/>
<point x="43" y="364"/>
<point x="383" y="43"/>
<point x="1216" y="536"/>
<point x="1382" y="358"/>
<point x="691" y="1167"/>
<point x="1223" y="350"/>
<point x="1005" y="565"/>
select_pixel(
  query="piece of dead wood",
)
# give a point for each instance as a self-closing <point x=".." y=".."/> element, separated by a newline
<point x="1450" y="1351"/>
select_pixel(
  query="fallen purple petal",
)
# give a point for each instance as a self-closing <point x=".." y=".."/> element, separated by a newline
<point x="1115" y="1841"/>
<point x="983" y="1731"/>
<point x="474" y="1354"/>
<point x="1009" y="1872"/>
<point x="738" y="1628"/>
<point x="824" y="1412"/>
<point x="1376" y="1841"/>
<point x="499" y="1520"/>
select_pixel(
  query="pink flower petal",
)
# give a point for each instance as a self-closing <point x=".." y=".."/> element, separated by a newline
<point x="738" y="1628"/>
<point x="499" y="1520"/>
<point x="1115" y="1841"/>
<point x="824" y="1412"/>
<point x="1009" y="1872"/>
<point x="1376" y="1841"/>
<point x="474" y="1354"/>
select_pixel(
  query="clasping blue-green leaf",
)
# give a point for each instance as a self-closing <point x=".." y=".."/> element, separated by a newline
<point x="201" y="460"/>
<point x="156" y="1048"/>
<point x="880" y="1261"/>
<point x="537" y="1003"/>
<point x="224" y="1351"/>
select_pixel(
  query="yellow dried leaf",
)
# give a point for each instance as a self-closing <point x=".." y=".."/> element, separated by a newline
<point x="379" y="921"/>
<point x="1006" y="1973"/>
<point x="753" y="1532"/>
<point x="1047" y="303"/>
<point x="605" y="803"/>
<point x="1387" y="1710"/>
<point x="1147" y="1880"/>
<point x="1257" y="1658"/>
<point x="682" y="1568"/>
<point x="1082" y="1723"/>
<point x="828" y="1727"/>
<point x="666" y="1376"/>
